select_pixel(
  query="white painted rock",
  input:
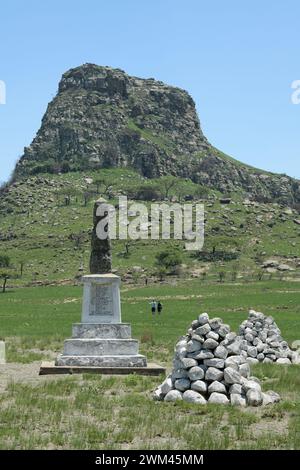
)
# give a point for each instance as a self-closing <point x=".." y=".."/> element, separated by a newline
<point x="216" y="387"/>
<point x="173" y="395"/>
<point x="196" y="373"/>
<point x="232" y="376"/>
<point x="199" y="386"/>
<point x="218" y="398"/>
<point x="254" y="398"/>
<point x="191" y="396"/>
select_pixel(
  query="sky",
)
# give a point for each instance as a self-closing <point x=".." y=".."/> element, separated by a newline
<point x="237" y="59"/>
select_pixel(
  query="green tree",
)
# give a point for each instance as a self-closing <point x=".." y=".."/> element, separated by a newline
<point x="170" y="259"/>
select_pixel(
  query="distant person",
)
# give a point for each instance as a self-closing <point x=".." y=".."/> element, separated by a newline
<point x="159" y="307"/>
<point x="153" y="307"/>
<point x="146" y="281"/>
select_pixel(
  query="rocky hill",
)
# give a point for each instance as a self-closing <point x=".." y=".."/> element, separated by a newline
<point x="103" y="118"/>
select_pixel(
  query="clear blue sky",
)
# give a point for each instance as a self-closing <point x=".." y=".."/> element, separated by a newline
<point x="236" y="58"/>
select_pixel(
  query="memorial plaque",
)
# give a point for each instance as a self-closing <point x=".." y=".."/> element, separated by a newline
<point x="101" y="300"/>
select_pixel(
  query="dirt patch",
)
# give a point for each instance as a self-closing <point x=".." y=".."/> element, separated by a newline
<point x="23" y="373"/>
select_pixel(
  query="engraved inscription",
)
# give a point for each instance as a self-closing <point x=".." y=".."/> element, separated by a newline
<point x="101" y="300"/>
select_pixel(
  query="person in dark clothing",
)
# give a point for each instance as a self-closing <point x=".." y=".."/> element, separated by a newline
<point x="159" y="307"/>
<point x="153" y="307"/>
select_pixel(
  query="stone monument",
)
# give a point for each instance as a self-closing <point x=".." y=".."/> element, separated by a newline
<point x="2" y="352"/>
<point x="101" y="339"/>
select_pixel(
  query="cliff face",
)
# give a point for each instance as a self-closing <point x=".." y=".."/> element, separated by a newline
<point x="101" y="117"/>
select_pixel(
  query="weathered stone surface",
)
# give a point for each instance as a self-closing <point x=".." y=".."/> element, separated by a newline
<point x="94" y="330"/>
<point x="182" y="384"/>
<point x="188" y="362"/>
<point x="203" y="330"/>
<point x="231" y="376"/>
<point x="225" y="379"/>
<point x="263" y="339"/>
<point x="218" y="398"/>
<point x="193" y="346"/>
<point x="196" y="373"/>
<point x="166" y="386"/>
<point x="203" y="318"/>
<point x="100" y="347"/>
<point x="210" y="344"/>
<point x="237" y="400"/>
<point x="221" y="352"/>
<point x="235" y="388"/>
<point x="283" y="360"/>
<point x="254" y="397"/>
<point x="212" y="335"/>
<point x="216" y="387"/>
<point x="250" y="385"/>
<point x="244" y="370"/>
<point x="173" y="395"/>
<point x="213" y="374"/>
<point x="102" y="361"/>
<point x="179" y="374"/>
<point x="191" y="396"/>
<point x="216" y="362"/>
<point x="199" y="386"/>
<point x="100" y="260"/>
<point x="2" y="352"/>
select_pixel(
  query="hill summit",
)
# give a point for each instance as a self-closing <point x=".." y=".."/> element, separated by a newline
<point x="103" y="118"/>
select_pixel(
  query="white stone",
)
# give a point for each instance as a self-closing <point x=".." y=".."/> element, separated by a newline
<point x="2" y="352"/>
<point x="244" y="370"/>
<point x="203" y="318"/>
<point x="190" y="396"/>
<point x="218" y="398"/>
<point x="196" y="373"/>
<point x="216" y="362"/>
<point x="173" y="395"/>
<point x="213" y="374"/>
<point x="221" y="352"/>
<point x="210" y="344"/>
<point x="166" y="386"/>
<point x="199" y="386"/>
<point x="203" y="330"/>
<point x="254" y="398"/>
<point x="283" y="360"/>
<point x="250" y="385"/>
<point x="101" y="299"/>
<point x="193" y="346"/>
<point x="231" y="376"/>
<point x="204" y="354"/>
<point x="237" y="400"/>
<point x="188" y="362"/>
<point x="216" y="387"/>
<point x="212" y="335"/>
<point x="236" y="388"/>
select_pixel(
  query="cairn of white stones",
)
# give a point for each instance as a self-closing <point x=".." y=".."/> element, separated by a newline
<point x="210" y="367"/>
<point x="261" y="339"/>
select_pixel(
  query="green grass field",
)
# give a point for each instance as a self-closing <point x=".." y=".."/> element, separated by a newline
<point x="111" y="412"/>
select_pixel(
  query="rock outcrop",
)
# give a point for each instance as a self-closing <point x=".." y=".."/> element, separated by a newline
<point x="207" y="368"/>
<point x="101" y="117"/>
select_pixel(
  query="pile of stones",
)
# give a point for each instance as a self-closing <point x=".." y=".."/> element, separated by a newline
<point x="261" y="339"/>
<point x="208" y="368"/>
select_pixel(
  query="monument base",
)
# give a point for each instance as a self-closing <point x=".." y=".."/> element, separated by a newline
<point x="101" y="345"/>
<point x="101" y="340"/>
<point x="102" y="361"/>
<point x="49" y="368"/>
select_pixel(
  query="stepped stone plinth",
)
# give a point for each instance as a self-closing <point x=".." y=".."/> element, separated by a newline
<point x="101" y="340"/>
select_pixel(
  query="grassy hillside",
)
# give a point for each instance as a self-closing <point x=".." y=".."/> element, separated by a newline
<point x="48" y="240"/>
